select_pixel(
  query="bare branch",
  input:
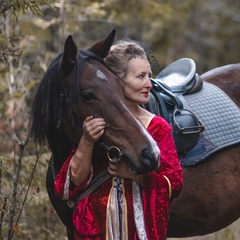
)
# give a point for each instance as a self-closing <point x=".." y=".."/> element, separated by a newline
<point x="2" y="213"/>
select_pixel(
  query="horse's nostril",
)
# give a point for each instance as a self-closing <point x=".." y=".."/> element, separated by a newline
<point x="146" y="157"/>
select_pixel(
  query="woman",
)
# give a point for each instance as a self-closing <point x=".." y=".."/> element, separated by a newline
<point x="126" y="206"/>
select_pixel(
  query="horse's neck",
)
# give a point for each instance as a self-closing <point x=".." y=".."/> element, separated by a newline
<point x="99" y="158"/>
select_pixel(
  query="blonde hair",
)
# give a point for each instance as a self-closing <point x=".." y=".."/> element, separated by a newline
<point x="121" y="53"/>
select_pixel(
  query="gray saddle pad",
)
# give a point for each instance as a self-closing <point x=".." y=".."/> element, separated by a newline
<point x="221" y="118"/>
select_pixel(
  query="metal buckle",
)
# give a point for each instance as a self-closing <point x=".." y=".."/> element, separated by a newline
<point x="114" y="154"/>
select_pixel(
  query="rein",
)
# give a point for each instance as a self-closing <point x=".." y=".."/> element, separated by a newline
<point x="114" y="155"/>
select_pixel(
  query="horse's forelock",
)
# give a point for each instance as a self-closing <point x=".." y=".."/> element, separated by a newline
<point x="84" y="56"/>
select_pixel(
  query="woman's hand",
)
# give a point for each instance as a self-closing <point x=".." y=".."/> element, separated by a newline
<point x="81" y="162"/>
<point x="121" y="169"/>
<point x="93" y="129"/>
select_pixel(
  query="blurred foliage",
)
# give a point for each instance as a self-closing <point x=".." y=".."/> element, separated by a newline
<point x="33" y="32"/>
<point x="10" y="9"/>
<point x="23" y="5"/>
<point x="34" y="217"/>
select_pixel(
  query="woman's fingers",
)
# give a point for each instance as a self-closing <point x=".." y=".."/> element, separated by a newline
<point x="119" y="169"/>
<point x="93" y="128"/>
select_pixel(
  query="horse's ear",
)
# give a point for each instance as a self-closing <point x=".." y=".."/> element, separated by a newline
<point x="102" y="47"/>
<point x="69" y="56"/>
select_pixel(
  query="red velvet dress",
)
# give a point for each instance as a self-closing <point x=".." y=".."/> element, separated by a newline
<point x="91" y="213"/>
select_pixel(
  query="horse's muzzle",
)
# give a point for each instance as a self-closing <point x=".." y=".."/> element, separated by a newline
<point x="149" y="160"/>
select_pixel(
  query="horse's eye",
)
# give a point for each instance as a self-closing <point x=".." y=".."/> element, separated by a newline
<point x="88" y="97"/>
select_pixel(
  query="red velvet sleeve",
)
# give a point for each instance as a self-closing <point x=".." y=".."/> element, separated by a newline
<point x="63" y="186"/>
<point x="156" y="189"/>
<point x="170" y="165"/>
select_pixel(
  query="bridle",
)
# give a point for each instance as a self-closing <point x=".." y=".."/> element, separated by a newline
<point x="114" y="154"/>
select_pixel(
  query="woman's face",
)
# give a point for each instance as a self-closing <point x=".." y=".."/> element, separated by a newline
<point x="137" y="82"/>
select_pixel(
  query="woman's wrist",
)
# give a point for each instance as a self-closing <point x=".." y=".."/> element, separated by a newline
<point x="80" y="167"/>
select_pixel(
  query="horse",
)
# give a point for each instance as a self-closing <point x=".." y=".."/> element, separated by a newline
<point x="210" y="200"/>
<point x="78" y="84"/>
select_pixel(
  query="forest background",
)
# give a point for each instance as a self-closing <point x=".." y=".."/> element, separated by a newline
<point x="33" y="32"/>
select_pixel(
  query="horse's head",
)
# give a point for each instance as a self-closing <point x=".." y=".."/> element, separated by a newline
<point x="78" y="84"/>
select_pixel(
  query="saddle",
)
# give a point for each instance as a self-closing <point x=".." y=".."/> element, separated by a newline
<point x="166" y="100"/>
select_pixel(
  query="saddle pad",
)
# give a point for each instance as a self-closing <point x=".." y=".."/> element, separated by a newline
<point x="221" y="118"/>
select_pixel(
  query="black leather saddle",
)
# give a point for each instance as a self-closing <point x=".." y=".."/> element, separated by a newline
<point x="181" y="77"/>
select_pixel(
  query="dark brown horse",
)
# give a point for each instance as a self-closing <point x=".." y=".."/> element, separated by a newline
<point x="78" y="84"/>
<point x="210" y="197"/>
